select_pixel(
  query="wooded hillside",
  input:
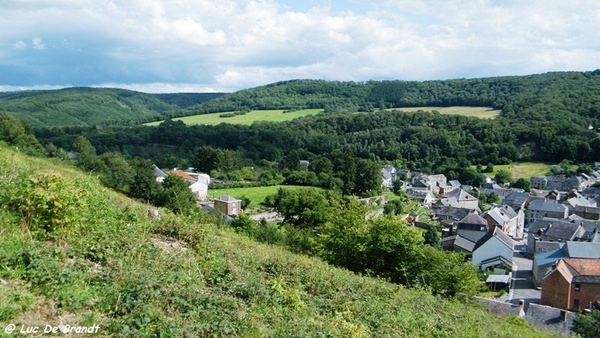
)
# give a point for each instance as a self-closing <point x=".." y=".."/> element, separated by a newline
<point x="95" y="106"/>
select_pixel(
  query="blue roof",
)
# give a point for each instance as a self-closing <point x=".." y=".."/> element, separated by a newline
<point x="550" y="257"/>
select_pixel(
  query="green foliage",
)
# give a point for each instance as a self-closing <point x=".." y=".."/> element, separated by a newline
<point x="522" y="183"/>
<point x="95" y="106"/>
<point x="18" y="134"/>
<point x="176" y="195"/>
<point x="587" y="325"/>
<point x="503" y="176"/>
<point x="431" y="236"/>
<point x="303" y="208"/>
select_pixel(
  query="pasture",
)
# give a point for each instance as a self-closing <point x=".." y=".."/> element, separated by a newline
<point x="522" y="170"/>
<point x="246" y="119"/>
<point x="255" y="194"/>
<point x="480" y="112"/>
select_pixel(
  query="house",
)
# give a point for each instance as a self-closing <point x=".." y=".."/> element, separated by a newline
<point x="228" y="205"/>
<point x="389" y="175"/>
<point x="200" y="190"/>
<point x="575" y="182"/>
<point x="574" y="284"/>
<point x="587" y="212"/>
<point x="158" y="173"/>
<point x="449" y="215"/>
<point x="183" y="175"/>
<point x="469" y="231"/>
<point x="494" y="249"/>
<point x="506" y="219"/>
<point x="561" y="230"/>
<point x="543" y="261"/>
<point x="461" y="199"/>
<point x="517" y="200"/>
<point x="539" y="209"/>
<point x="425" y="197"/>
<point x="539" y="182"/>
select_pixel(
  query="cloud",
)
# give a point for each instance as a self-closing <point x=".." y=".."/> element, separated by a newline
<point x="20" y="45"/>
<point x="36" y="43"/>
<point x="234" y="44"/>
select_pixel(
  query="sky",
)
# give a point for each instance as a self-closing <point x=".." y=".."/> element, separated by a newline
<point x="166" y="46"/>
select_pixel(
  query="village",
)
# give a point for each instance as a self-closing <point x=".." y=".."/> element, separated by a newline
<point x="540" y="249"/>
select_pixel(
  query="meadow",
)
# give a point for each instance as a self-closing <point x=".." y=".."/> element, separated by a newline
<point x="255" y="194"/>
<point x="522" y="170"/>
<point x="481" y="112"/>
<point x="246" y="119"/>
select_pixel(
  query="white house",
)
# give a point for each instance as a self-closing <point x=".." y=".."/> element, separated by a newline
<point x="494" y="249"/>
<point x="200" y="190"/>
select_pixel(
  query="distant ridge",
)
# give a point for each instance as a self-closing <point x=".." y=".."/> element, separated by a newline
<point x="85" y="106"/>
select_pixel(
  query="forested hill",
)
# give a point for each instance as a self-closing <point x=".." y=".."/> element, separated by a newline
<point x="95" y="106"/>
<point x="538" y="97"/>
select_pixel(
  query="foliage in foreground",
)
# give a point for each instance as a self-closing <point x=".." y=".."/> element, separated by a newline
<point x="79" y="252"/>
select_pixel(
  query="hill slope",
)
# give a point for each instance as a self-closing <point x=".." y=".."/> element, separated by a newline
<point x="76" y="253"/>
<point x="95" y="106"/>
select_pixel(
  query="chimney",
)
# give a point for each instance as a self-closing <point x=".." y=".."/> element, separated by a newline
<point x="521" y="307"/>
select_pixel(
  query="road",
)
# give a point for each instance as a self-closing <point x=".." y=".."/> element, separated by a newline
<point x="522" y="284"/>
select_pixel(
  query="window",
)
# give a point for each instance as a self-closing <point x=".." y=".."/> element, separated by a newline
<point x="577" y="287"/>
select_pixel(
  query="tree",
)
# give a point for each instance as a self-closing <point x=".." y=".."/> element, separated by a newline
<point x="503" y="176"/>
<point x="86" y="155"/>
<point x="394" y="207"/>
<point x="470" y="176"/>
<point x="522" y="183"/>
<point x="587" y="325"/>
<point x="143" y="185"/>
<point x="177" y="196"/>
<point x="368" y="177"/>
<point x="303" y="208"/>
<point x="245" y="202"/>
<point x="118" y="174"/>
<point x="431" y="236"/>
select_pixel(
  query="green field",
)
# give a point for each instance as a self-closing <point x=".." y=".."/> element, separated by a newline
<point x="247" y="119"/>
<point x="255" y="194"/>
<point x="481" y="112"/>
<point x="522" y="170"/>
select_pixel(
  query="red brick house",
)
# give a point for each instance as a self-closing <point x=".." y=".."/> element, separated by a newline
<point x="573" y="284"/>
<point x="228" y="205"/>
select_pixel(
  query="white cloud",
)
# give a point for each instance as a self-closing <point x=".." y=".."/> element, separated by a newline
<point x="234" y="44"/>
<point x="36" y="43"/>
<point x="20" y="45"/>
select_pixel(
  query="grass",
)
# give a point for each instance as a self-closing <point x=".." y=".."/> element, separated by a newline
<point x="246" y="119"/>
<point x="255" y="194"/>
<point x="481" y="112"/>
<point x="522" y="170"/>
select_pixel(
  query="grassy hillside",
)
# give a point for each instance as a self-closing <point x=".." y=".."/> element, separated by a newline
<point x="246" y="119"/>
<point x="94" y="106"/>
<point x="75" y="253"/>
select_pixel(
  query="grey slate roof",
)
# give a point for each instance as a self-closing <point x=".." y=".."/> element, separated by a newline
<point x="471" y="235"/>
<point x="498" y="234"/>
<point x="473" y="218"/>
<point x="228" y="198"/>
<point x="582" y="249"/>
<point x="541" y="205"/>
<point x="563" y="230"/>
<point x="516" y="198"/>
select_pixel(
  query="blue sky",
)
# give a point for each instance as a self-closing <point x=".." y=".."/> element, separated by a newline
<point x="227" y="45"/>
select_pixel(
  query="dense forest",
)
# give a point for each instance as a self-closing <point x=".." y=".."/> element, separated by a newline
<point x="547" y="117"/>
<point x="95" y="106"/>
